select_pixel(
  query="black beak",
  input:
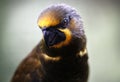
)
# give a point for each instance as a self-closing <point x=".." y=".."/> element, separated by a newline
<point x="53" y="36"/>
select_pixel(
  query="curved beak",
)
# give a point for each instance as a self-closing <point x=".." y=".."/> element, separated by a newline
<point x="53" y="36"/>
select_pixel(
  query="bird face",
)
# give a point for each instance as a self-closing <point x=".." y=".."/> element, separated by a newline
<point x="57" y="24"/>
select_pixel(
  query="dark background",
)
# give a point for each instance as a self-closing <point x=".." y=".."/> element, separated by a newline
<point x="19" y="34"/>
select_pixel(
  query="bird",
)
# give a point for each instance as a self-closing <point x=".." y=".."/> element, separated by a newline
<point x="61" y="55"/>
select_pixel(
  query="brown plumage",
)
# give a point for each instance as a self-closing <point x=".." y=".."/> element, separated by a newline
<point x="61" y="56"/>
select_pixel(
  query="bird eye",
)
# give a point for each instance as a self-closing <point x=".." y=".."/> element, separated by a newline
<point x="65" y="21"/>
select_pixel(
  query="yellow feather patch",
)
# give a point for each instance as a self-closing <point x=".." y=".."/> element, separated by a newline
<point x="49" y="58"/>
<point x="83" y="52"/>
<point x="66" y="41"/>
<point x="47" y="20"/>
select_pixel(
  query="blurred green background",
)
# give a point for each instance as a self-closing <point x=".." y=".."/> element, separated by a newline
<point x="19" y="33"/>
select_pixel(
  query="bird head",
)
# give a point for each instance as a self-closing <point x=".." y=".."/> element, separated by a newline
<point x="61" y="26"/>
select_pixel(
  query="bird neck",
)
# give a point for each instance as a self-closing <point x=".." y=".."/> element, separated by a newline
<point x="76" y="45"/>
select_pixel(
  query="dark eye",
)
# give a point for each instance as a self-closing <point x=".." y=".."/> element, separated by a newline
<point x="65" y="21"/>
